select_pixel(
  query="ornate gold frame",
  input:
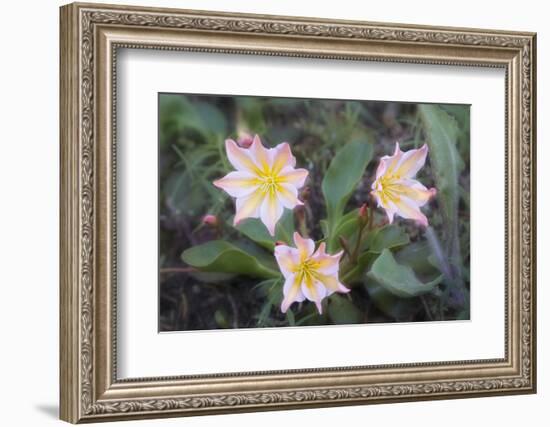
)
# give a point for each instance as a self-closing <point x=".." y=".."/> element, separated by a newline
<point x="90" y="36"/>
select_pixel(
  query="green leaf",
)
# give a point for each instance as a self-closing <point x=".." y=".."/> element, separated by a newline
<point x="399" y="279"/>
<point x="181" y="195"/>
<point x="355" y="274"/>
<point x="346" y="229"/>
<point x="211" y="117"/>
<point x="388" y="237"/>
<point x="342" y="176"/>
<point x="417" y="256"/>
<point x="342" y="311"/>
<point x="397" y="308"/>
<point x="324" y="227"/>
<point x="290" y="317"/>
<point x="177" y="115"/>
<point x="272" y="289"/>
<point x="256" y="230"/>
<point x="223" y="257"/>
<point x="442" y="133"/>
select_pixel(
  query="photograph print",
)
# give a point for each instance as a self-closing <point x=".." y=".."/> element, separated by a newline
<point x="277" y="212"/>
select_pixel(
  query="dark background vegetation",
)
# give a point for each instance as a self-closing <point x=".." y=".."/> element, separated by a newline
<point x="192" y="130"/>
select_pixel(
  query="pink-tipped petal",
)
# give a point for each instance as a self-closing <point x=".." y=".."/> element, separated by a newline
<point x="295" y="177"/>
<point x="248" y="207"/>
<point x="391" y="162"/>
<point x="287" y="258"/>
<point x="332" y="284"/>
<point x="391" y="210"/>
<point x="270" y="212"/>
<point x="288" y="196"/>
<point x="292" y="292"/>
<point x="380" y="170"/>
<point x="260" y="154"/>
<point x="327" y="264"/>
<point x="314" y="291"/>
<point x="321" y="250"/>
<point x="415" y="191"/>
<point x="282" y="157"/>
<point x="239" y="157"/>
<point x="305" y="246"/>
<point x="377" y="197"/>
<point x="411" y="162"/>
<point x="237" y="183"/>
<point x="407" y="208"/>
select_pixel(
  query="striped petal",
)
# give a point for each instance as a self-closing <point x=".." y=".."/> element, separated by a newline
<point x="314" y="291"/>
<point x="288" y="196"/>
<point x="411" y="162"/>
<point x="388" y="164"/>
<point x="407" y="208"/>
<point x="270" y="212"/>
<point x="237" y="183"/>
<point x="325" y="263"/>
<point x="239" y="157"/>
<point x="292" y="292"/>
<point x="415" y="191"/>
<point x="282" y="157"/>
<point x="260" y="155"/>
<point x="305" y="246"/>
<point x="332" y="284"/>
<point x="287" y="259"/>
<point x="296" y="177"/>
<point x="248" y="207"/>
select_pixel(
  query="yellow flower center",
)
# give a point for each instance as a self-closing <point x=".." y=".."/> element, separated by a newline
<point x="269" y="182"/>
<point x="307" y="271"/>
<point x="386" y="187"/>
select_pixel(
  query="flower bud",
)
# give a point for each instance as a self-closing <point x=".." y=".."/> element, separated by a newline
<point x="363" y="211"/>
<point x="211" y="220"/>
<point x="245" y="140"/>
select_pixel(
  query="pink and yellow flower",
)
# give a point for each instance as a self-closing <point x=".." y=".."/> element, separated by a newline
<point x="395" y="188"/>
<point x="264" y="183"/>
<point x="309" y="274"/>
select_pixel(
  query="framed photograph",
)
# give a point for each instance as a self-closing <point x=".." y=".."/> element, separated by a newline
<point x="266" y="212"/>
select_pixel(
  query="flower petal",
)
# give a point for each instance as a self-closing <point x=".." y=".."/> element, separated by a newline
<point x="314" y="291"/>
<point x="388" y="164"/>
<point x="287" y="259"/>
<point x="288" y="196"/>
<point x="305" y="246"/>
<point x="390" y="209"/>
<point x="411" y="162"/>
<point x="271" y="211"/>
<point x="292" y="292"/>
<point x="384" y="202"/>
<point x="407" y="208"/>
<point x="248" y="206"/>
<point x="292" y="176"/>
<point x="332" y="284"/>
<point x="239" y="157"/>
<point x="282" y="156"/>
<point x="415" y="191"/>
<point x="326" y="264"/>
<point x="381" y="170"/>
<point x="237" y="183"/>
<point x="260" y="155"/>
